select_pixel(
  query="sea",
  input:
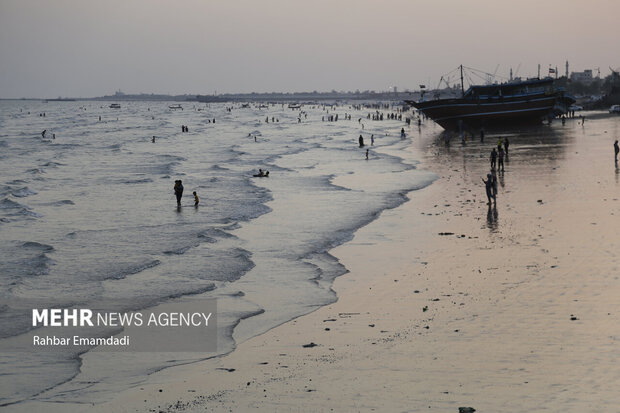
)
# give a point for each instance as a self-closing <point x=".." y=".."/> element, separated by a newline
<point x="88" y="214"/>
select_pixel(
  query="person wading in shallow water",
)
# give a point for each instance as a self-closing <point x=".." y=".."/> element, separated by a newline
<point x="178" y="190"/>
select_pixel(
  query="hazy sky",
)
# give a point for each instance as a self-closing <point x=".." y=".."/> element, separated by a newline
<point x="84" y="48"/>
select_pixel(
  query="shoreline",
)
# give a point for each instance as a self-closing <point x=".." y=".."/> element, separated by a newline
<point x="474" y="318"/>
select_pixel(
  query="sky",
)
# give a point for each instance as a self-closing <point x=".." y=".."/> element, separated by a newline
<point x="87" y="48"/>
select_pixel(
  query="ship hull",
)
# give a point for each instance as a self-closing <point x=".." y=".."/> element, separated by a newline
<point x="455" y="114"/>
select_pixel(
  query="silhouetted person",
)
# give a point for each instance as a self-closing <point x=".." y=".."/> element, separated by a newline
<point x="366" y="153"/>
<point x="488" y="184"/>
<point x="45" y="130"/>
<point x="153" y="138"/>
<point x="178" y="190"/>
<point x="501" y="159"/>
<point x="196" y="199"/>
<point x="506" y="145"/>
<point x="493" y="158"/>
<point x="361" y="141"/>
<point x="616" y="150"/>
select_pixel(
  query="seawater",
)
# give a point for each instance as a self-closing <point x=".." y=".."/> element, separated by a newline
<point x="91" y="216"/>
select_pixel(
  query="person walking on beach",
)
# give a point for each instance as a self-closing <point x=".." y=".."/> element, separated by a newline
<point x="178" y="190"/>
<point x="500" y="165"/>
<point x="488" y="184"/>
<point x="493" y="158"/>
<point x="361" y="141"/>
<point x="616" y="150"/>
<point x="506" y="145"/>
<point x="43" y="133"/>
<point x="196" y="199"/>
<point x="372" y="140"/>
<point x="366" y="154"/>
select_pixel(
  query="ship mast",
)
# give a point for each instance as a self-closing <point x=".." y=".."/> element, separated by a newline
<point x="462" y="87"/>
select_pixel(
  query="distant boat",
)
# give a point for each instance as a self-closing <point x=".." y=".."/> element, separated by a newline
<point x="59" y="100"/>
<point x="514" y="102"/>
<point x="115" y="106"/>
<point x="294" y="106"/>
<point x="175" y="107"/>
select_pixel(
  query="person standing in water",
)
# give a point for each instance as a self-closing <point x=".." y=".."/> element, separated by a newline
<point x="178" y="190"/>
<point x="366" y="154"/>
<point x="361" y="141"/>
<point x="196" y="199"/>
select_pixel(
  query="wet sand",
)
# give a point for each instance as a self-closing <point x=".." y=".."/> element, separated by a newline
<point x="449" y="303"/>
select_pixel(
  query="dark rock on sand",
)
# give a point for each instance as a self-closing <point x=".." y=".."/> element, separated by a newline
<point x="466" y="410"/>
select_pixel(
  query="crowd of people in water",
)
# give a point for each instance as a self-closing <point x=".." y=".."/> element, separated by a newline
<point x="498" y="155"/>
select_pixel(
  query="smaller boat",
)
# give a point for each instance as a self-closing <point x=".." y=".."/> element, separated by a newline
<point x="294" y="106"/>
<point x="115" y="106"/>
<point x="175" y="107"/>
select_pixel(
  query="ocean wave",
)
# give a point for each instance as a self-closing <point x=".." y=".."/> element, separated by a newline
<point x="25" y="259"/>
<point x="33" y="245"/>
<point x="137" y="181"/>
<point x="36" y="171"/>
<point x="52" y="164"/>
<point x="135" y="269"/>
<point x="16" y="209"/>
<point x="62" y="202"/>
<point x="179" y="251"/>
<point x="23" y="192"/>
<point x="7" y="203"/>
<point x="218" y="168"/>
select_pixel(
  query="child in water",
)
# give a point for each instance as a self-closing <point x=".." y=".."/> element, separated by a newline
<point x="196" y="199"/>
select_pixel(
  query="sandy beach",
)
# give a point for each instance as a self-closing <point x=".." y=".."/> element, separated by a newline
<point x="448" y="303"/>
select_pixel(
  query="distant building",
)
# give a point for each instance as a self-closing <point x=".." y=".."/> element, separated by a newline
<point x="583" y="77"/>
